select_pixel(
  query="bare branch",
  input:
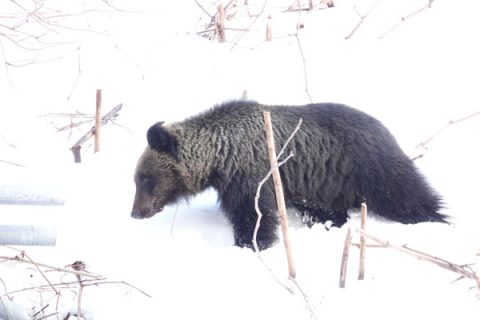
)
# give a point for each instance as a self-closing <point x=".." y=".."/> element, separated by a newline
<point x="304" y="60"/>
<point x="23" y="256"/>
<point x="305" y="298"/>
<point x="304" y="63"/>
<point x="257" y="198"/>
<point x="405" y="18"/>
<point x="463" y="270"/>
<point x="267" y="176"/>
<point x="84" y="279"/>
<point x="423" y="145"/>
<point x="33" y="27"/>
<point x="255" y="19"/>
<point x="362" y="18"/>
<point x="20" y="258"/>
<point x="13" y="163"/>
<point x="202" y="8"/>
<point x="6" y="142"/>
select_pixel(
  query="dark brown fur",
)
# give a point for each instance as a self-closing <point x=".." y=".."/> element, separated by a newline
<point x="342" y="157"/>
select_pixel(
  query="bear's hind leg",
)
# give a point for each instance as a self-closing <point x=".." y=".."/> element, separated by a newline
<point x="313" y="214"/>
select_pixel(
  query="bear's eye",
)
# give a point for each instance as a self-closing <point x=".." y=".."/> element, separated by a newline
<point x="146" y="183"/>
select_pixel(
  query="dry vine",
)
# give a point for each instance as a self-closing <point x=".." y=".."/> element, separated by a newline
<point x="83" y="279"/>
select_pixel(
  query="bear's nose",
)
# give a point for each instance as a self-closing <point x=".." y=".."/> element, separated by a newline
<point x="136" y="213"/>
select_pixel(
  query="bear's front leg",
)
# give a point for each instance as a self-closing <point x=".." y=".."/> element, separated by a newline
<point x="240" y="210"/>
<point x="244" y="228"/>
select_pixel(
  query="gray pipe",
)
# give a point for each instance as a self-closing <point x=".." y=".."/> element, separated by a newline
<point x="22" y="235"/>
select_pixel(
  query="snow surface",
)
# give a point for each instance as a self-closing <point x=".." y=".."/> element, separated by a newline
<point x="415" y="80"/>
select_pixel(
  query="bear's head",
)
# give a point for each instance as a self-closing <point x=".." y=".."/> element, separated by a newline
<point x="159" y="176"/>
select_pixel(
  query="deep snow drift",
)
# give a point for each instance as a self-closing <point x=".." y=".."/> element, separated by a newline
<point x="415" y="80"/>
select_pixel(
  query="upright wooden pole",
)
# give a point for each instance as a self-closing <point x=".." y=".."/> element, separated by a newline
<point x="269" y="32"/>
<point x="220" y="23"/>
<point x="282" y="210"/>
<point x="344" y="264"/>
<point x="361" y="269"/>
<point x="98" y="120"/>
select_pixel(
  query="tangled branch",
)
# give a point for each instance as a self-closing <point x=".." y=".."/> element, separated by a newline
<point x="34" y="26"/>
<point x="47" y="272"/>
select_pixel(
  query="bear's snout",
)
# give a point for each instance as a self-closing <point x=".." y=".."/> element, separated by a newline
<point x="136" y="213"/>
<point x="143" y="212"/>
<point x="143" y="205"/>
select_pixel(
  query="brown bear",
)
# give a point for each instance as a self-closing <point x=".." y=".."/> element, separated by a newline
<point x="342" y="157"/>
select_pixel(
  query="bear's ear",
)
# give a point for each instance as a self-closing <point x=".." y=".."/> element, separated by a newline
<point x="161" y="140"/>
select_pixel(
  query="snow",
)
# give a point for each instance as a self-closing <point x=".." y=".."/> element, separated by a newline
<point x="415" y="80"/>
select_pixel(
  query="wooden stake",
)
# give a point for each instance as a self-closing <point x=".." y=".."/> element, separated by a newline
<point x="344" y="264"/>
<point x="110" y="116"/>
<point x="269" y="32"/>
<point x="98" y="120"/>
<point x="361" y="268"/>
<point x="477" y="271"/>
<point x="282" y="210"/>
<point x="220" y="22"/>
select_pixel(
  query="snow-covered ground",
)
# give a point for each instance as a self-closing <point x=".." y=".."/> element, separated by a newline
<point x="415" y="79"/>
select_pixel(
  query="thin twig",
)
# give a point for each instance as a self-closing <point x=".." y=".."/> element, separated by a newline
<point x="405" y="18"/>
<point x="239" y="37"/>
<point x="86" y="283"/>
<point x="24" y="255"/>
<point x="362" y="18"/>
<point x="294" y="132"/>
<point x="305" y="298"/>
<point x="270" y="271"/>
<point x="112" y="114"/>
<point x="202" y="8"/>
<point x="48" y="316"/>
<point x="257" y="198"/>
<point x="40" y="311"/>
<point x="117" y="282"/>
<point x="302" y="54"/>
<point x="463" y="270"/>
<point x="32" y="24"/>
<point x="13" y="163"/>
<point x="304" y="64"/>
<point x="5" y="289"/>
<point x="173" y="221"/>
<point x="423" y="145"/>
<point x="20" y="259"/>
<point x="11" y="145"/>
